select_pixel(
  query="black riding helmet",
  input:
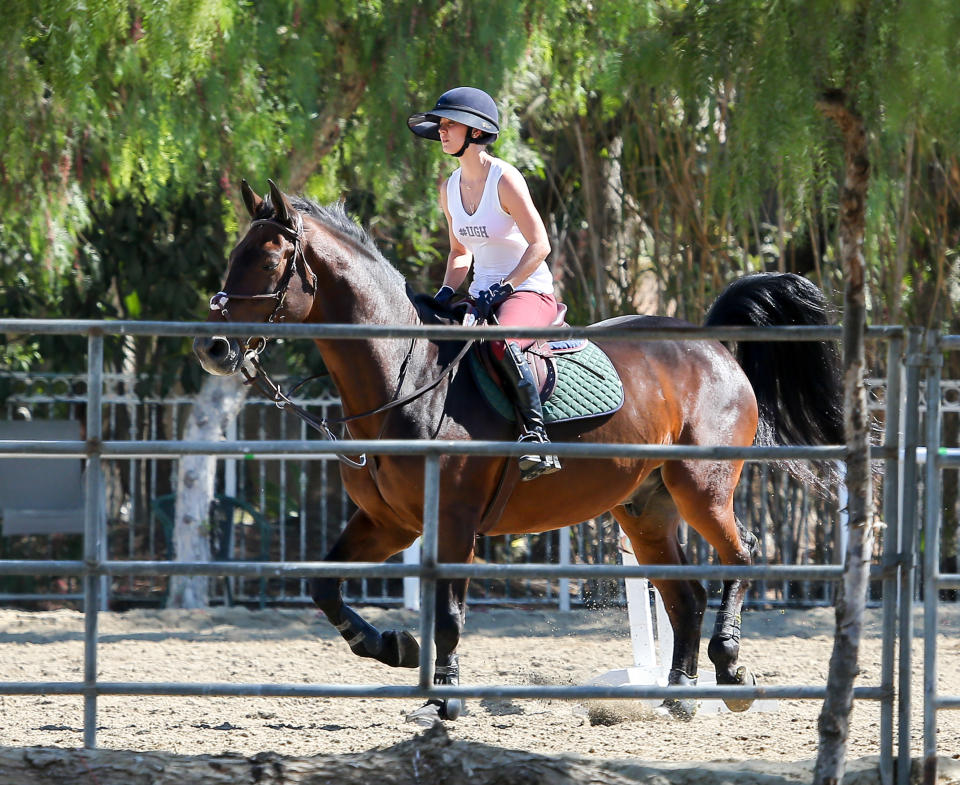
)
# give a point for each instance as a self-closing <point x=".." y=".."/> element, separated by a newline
<point x="467" y="105"/>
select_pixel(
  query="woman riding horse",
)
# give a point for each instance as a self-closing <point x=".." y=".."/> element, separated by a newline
<point x="492" y="223"/>
<point x="302" y="262"/>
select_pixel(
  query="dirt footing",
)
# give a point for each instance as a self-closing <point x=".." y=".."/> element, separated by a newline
<point x="430" y="758"/>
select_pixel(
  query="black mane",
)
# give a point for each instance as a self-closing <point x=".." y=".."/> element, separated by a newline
<point x="333" y="215"/>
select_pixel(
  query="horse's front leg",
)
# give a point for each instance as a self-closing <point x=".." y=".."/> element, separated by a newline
<point x="451" y="615"/>
<point x="451" y="612"/>
<point x="365" y="540"/>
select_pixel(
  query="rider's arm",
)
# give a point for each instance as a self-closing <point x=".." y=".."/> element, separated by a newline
<point x="515" y="200"/>
<point x="459" y="259"/>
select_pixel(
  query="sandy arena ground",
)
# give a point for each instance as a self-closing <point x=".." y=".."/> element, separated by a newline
<point x="500" y="647"/>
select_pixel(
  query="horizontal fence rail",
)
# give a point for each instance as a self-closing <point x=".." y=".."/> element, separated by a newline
<point x="281" y="449"/>
<point x="435" y="332"/>
<point x="227" y="689"/>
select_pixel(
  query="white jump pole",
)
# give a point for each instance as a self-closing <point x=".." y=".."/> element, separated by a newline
<point x="652" y="645"/>
<point x="564" y="583"/>
<point x="411" y="584"/>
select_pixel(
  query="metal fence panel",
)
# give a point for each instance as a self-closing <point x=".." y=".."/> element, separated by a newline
<point x="96" y="562"/>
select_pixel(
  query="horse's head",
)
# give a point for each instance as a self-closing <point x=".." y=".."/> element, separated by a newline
<point x="268" y="280"/>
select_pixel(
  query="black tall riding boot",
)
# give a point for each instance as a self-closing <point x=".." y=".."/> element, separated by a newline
<point x="523" y="388"/>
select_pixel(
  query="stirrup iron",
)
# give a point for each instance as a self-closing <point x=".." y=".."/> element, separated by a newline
<point x="533" y="465"/>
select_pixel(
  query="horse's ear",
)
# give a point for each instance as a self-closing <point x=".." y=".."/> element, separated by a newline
<point x="281" y="204"/>
<point x="250" y="199"/>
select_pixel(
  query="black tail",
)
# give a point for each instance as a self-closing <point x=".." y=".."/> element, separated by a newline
<point x="797" y="384"/>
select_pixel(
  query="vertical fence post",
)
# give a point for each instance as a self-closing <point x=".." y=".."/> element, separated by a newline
<point x="931" y="559"/>
<point x="428" y="561"/>
<point x="563" y="585"/>
<point x="908" y="538"/>
<point x="93" y="535"/>
<point x="891" y="550"/>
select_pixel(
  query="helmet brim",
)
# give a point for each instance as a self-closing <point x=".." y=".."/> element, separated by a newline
<point x="427" y="124"/>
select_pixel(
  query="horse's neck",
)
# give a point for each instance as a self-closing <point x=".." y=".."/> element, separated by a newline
<point x="367" y="371"/>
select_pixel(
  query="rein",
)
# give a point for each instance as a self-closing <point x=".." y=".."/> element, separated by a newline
<point x="271" y="390"/>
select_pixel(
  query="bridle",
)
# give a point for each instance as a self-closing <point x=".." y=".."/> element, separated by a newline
<point x="253" y="347"/>
<point x="220" y="300"/>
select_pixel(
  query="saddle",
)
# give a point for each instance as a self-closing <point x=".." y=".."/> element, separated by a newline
<point x="576" y="381"/>
<point x="540" y="356"/>
<point x="575" y="378"/>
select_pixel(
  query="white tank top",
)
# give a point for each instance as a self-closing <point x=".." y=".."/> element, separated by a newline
<point x="492" y="236"/>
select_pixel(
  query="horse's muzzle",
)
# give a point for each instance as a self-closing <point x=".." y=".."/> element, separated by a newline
<point x="218" y="355"/>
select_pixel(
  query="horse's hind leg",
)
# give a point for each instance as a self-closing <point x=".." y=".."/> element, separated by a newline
<point x="703" y="491"/>
<point x="724" y="649"/>
<point x="364" y="540"/>
<point x="651" y="521"/>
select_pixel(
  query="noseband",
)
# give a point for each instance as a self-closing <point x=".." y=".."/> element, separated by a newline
<point x="220" y="300"/>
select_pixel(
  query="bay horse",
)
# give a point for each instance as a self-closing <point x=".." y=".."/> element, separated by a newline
<point x="302" y="262"/>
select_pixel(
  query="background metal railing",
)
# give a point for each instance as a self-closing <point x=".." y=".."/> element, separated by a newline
<point x="938" y="459"/>
<point x="895" y="568"/>
<point x="302" y="506"/>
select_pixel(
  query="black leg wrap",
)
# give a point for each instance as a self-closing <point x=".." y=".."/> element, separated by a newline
<point x="681" y="708"/>
<point x="449" y="674"/>
<point x="724" y="648"/>
<point x="396" y="648"/>
<point x="724" y="651"/>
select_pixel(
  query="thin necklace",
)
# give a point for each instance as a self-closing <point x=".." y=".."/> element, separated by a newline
<point x="474" y="201"/>
<point x="485" y="169"/>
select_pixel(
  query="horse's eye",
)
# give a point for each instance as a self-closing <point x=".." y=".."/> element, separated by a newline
<point x="271" y="265"/>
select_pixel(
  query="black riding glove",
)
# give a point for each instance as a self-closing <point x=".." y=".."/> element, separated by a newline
<point x="443" y="296"/>
<point x="488" y="299"/>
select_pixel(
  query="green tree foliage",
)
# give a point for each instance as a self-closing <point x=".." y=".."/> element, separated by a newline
<point x="755" y="72"/>
<point x="118" y="114"/>
<point x="670" y="145"/>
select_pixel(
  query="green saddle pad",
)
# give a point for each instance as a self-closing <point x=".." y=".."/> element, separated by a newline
<point x="587" y="386"/>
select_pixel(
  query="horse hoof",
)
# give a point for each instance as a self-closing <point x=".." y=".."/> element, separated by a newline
<point x="427" y="715"/>
<point x="400" y="649"/>
<point x="451" y="709"/>
<point x="745" y="677"/>
<point x="680" y="709"/>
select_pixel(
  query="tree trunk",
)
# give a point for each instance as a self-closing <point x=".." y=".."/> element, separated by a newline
<point x="601" y="309"/>
<point x="217" y="403"/>
<point x="834" y="723"/>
